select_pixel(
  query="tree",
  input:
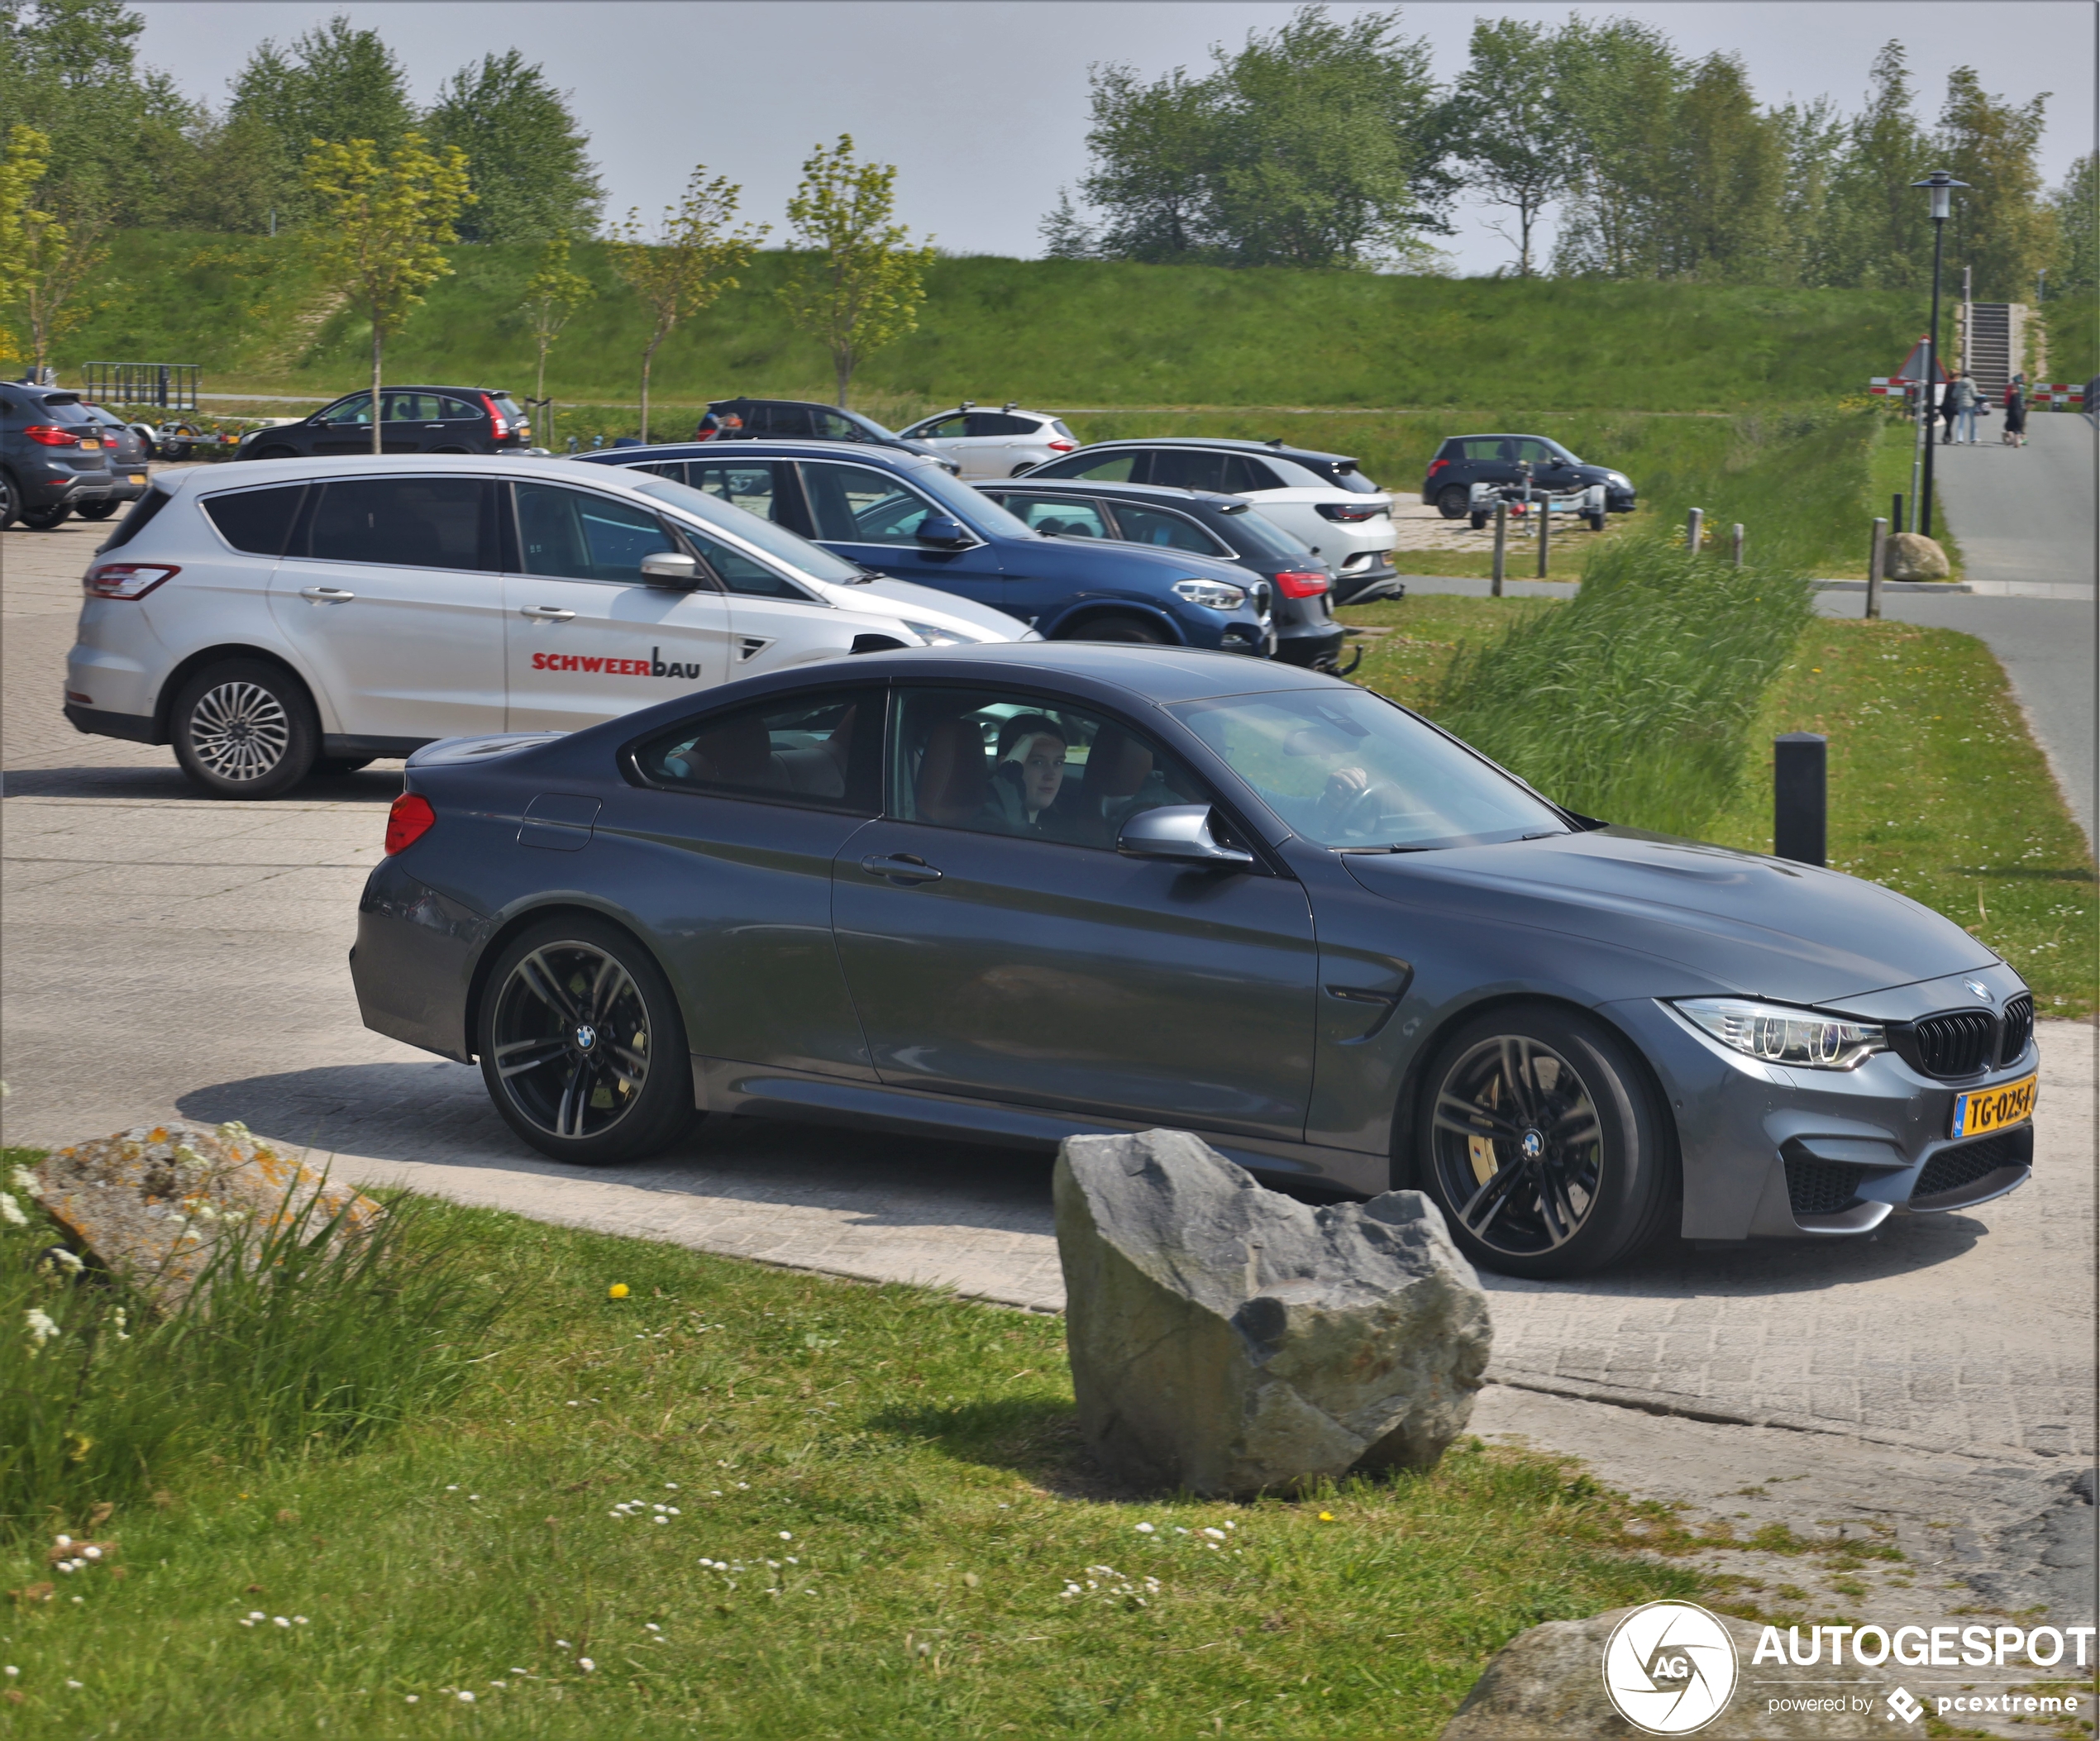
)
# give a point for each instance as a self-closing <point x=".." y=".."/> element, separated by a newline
<point x="1880" y="226"/>
<point x="1153" y="151"/>
<point x="1065" y="235"/>
<point x="1720" y="204"/>
<point x="687" y="265"/>
<point x="553" y="295"/>
<point x="531" y="172"/>
<point x="860" y="287"/>
<point x="1508" y="127"/>
<point x="1619" y="81"/>
<point x="1999" y="227"/>
<point x="334" y="84"/>
<point x="2076" y="269"/>
<point x="379" y="223"/>
<point x="22" y="168"/>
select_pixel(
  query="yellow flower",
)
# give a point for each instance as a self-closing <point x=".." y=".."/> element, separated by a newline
<point x="617" y="1291"/>
<point x="1327" y="1517"/>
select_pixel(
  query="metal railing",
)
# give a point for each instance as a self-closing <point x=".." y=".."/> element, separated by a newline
<point x="168" y="386"/>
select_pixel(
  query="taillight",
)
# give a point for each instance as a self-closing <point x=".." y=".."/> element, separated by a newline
<point x="1347" y="512"/>
<point x="408" y="822"/>
<point x="127" y="579"/>
<point x="50" y="435"/>
<point x="1063" y="446"/>
<point x="1302" y="583"/>
<point x="1437" y="466"/>
<point x="500" y="423"/>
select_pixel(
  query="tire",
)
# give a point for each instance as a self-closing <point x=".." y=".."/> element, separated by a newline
<point x="97" y="510"/>
<point x="1131" y="630"/>
<point x="244" y="728"/>
<point x="10" y="501"/>
<point x="330" y="767"/>
<point x="44" y="519"/>
<point x="279" y="452"/>
<point x="1596" y="521"/>
<point x="1022" y="470"/>
<point x="1453" y="501"/>
<point x="1605" y="1155"/>
<point x="1477" y="520"/>
<point x="557" y="996"/>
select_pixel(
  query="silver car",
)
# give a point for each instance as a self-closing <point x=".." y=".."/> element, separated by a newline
<point x="994" y="444"/>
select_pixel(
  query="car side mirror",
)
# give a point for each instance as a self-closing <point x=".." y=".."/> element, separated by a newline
<point x="670" y="568"/>
<point x="1182" y="833"/>
<point x="942" y="529"/>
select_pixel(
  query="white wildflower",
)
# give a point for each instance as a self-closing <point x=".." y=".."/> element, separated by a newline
<point x="281" y="1621"/>
<point x="25" y="1182"/>
<point x="61" y="1541"/>
<point x="1215" y="1535"/>
<point x="414" y="1698"/>
<point x="563" y="1644"/>
<point x="76" y="1685"/>
<point x="70" y="1262"/>
<point x="12" y="1671"/>
<point x="256" y="1613"/>
<point x="10" y="1211"/>
<point x="299" y="1619"/>
<point x="1146" y="1530"/>
<point x="40" y="1326"/>
<point x="90" y="1553"/>
<point x="119" y="1321"/>
<point x="464" y="1696"/>
<point x="233" y="1131"/>
<point x="585" y="1664"/>
<point x="66" y="1567"/>
<point x="787" y="1535"/>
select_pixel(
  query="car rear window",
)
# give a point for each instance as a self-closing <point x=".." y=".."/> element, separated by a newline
<point x="257" y="520"/>
<point x="63" y="407"/>
<point x="135" y="521"/>
<point x="508" y="407"/>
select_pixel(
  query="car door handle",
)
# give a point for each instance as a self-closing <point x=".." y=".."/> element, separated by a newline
<point x="549" y="613"/>
<point x="326" y="594"/>
<point x="900" y="868"/>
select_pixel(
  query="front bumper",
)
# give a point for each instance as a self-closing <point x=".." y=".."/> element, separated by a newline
<point x="1773" y="1152"/>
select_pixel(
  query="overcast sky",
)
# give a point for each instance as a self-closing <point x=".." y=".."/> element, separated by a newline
<point x="982" y="103"/>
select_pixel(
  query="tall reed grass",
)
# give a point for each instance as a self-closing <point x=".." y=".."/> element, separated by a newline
<point x="293" y="1343"/>
<point x="1633" y="702"/>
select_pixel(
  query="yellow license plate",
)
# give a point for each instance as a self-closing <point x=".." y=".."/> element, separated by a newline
<point x="91" y="447"/>
<point x="1986" y="1110"/>
<point x="138" y="477"/>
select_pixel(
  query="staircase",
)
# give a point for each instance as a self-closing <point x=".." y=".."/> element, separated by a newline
<point x="1990" y="346"/>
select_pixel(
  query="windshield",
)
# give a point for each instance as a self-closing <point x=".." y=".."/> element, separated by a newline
<point x="965" y="504"/>
<point x="1270" y="539"/>
<point x="1344" y="768"/>
<point x="812" y="560"/>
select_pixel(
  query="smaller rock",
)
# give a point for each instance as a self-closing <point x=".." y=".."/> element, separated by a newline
<point x="1913" y="556"/>
<point x="154" y="1204"/>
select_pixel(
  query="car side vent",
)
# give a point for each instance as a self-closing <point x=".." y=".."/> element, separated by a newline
<point x="1821" y="1187"/>
<point x="2019" y="1027"/>
<point x="1959" y="1043"/>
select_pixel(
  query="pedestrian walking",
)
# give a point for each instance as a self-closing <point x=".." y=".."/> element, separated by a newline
<point x="1961" y="405"/>
<point x="2016" y="412"/>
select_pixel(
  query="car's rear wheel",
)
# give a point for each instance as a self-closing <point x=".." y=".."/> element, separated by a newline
<point x="10" y="501"/>
<point x="1453" y="500"/>
<point x="1540" y="1139"/>
<point x="97" y="510"/>
<point x="1132" y="630"/>
<point x="582" y="1046"/>
<point x="244" y="728"/>
<point x="328" y="767"/>
<point x="1025" y="467"/>
<point x="278" y="452"/>
<point x="45" y="519"/>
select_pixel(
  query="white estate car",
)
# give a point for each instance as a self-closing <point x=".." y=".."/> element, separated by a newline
<point x="312" y="615"/>
<point x="993" y="443"/>
<point x="1319" y="497"/>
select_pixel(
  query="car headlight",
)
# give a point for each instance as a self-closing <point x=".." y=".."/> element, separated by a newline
<point x="1620" y="478"/>
<point x="1215" y="595"/>
<point x="934" y="634"/>
<point x="1781" y="1034"/>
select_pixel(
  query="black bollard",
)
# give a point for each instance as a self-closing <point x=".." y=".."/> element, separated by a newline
<point x="1800" y="797"/>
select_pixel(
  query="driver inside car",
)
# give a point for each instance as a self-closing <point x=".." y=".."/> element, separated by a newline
<point x="1029" y="774"/>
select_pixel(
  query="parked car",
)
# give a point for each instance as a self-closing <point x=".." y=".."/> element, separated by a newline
<point x="320" y="613"/>
<point x="1200" y="522"/>
<point x="1321" y="497"/>
<point x="1079" y="888"/>
<point x="994" y="444"/>
<point x="800" y="420"/>
<point x="905" y="516"/>
<point x="128" y="450"/>
<point x="53" y="461"/>
<point x="412" y="420"/>
<point x="1465" y="460"/>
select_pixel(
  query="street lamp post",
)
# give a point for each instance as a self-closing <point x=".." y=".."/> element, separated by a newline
<point x="1940" y="185"/>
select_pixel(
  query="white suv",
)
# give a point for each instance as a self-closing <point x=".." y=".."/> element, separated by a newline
<point x="1321" y="498"/>
<point x="299" y="616"/>
<point x="993" y="443"/>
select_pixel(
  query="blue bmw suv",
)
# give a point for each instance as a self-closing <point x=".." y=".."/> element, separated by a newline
<point x="906" y="517"/>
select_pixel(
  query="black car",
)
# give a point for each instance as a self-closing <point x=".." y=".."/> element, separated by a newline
<point x="412" y="420"/>
<point x="800" y="420"/>
<point x="1205" y="523"/>
<point x="1465" y="460"/>
<point x="128" y="450"/>
<point x="53" y="461"/>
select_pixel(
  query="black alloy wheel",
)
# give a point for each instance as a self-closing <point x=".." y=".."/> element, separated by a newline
<point x="1477" y="520"/>
<point x="1540" y="1140"/>
<point x="245" y="729"/>
<point x="45" y="519"/>
<point x="1452" y="501"/>
<point x="10" y="501"/>
<point x="98" y="510"/>
<point x="581" y="1045"/>
<point x="1131" y="630"/>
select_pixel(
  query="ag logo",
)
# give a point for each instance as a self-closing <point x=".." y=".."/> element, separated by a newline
<point x="1669" y="1668"/>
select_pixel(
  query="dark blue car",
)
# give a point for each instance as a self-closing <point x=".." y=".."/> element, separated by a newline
<point x="906" y="517"/>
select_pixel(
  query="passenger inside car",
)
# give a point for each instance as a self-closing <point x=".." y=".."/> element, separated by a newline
<point x="1023" y="788"/>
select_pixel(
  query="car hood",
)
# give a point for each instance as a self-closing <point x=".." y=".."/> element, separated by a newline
<point x="1106" y="560"/>
<point x="926" y="604"/>
<point x="1761" y="926"/>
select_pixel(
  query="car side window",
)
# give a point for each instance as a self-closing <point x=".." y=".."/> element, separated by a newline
<point x="420" y="522"/>
<point x="822" y="750"/>
<point x="453" y="410"/>
<point x="1535" y="453"/>
<point x="1168" y="530"/>
<point x="1000" y="423"/>
<point x="946" y="430"/>
<point x="257" y="520"/>
<point x="573" y="535"/>
<point x="858" y="505"/>
<point x="1058" y="516"/>
<point x="739" y="573"/>
<point x="998" y="762"/>
<point x="1243" y="473"/>
<point x="410" y="407"/>
<point x="1189" y="468"/>
<point x="356" y="409"/>
<point x="834" y="427"/>
<point x="1126" y="467"/>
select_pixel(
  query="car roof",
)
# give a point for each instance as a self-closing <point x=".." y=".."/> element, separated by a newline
<point x="748" y="398"/>
<point x="791" y="448"/>
<point x="251" y="473"/>
<point x="1279" y="450"/>
<point x="1166" y="493"/>
<point x="1508" y="437"/>
<point x="420" y="387"/>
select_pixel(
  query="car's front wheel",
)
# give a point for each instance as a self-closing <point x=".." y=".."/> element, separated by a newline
<point x="97" y="510"/>
<point x="1131" y="630"/>
<point x="1453" y="500"/>
<point x="244" y="728"/>
<point x="1540" y="1139"/>
<point x="582" y="1046"/>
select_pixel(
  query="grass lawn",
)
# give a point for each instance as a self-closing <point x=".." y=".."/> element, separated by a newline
<point x="877" y="1521"/>
<point x="1937" y="788"/>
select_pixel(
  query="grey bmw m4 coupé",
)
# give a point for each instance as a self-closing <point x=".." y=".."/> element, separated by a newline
<point x="1008" y="895"/>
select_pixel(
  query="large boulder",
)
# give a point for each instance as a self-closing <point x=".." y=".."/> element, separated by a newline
<point x="1227" y="1339"/>
<point x="1548" y="1684"/>
<point x="155" y="1203"/>
<point x="1913" y="556"/>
